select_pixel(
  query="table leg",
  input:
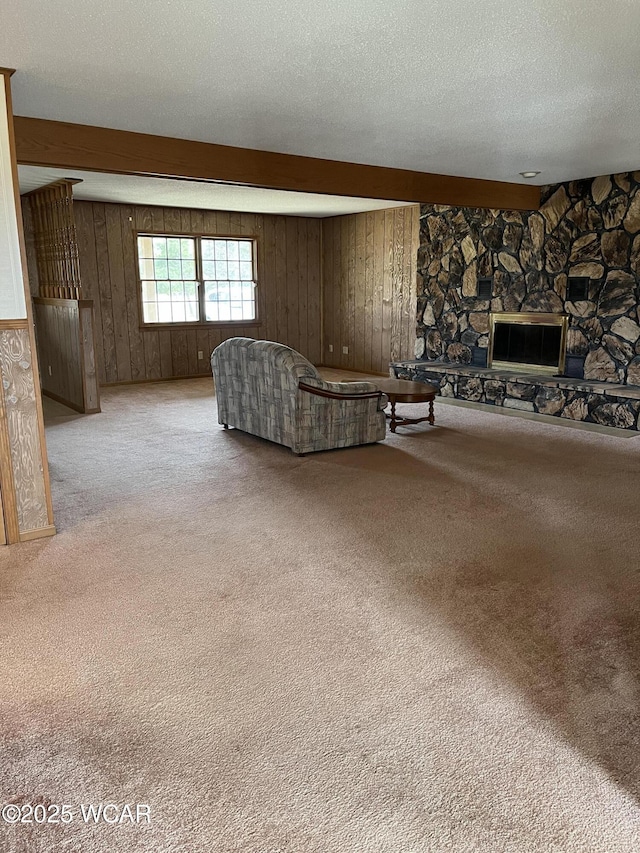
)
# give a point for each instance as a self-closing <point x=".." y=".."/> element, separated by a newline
<point x="393" y="416"/>
<point x="431" y="417"/>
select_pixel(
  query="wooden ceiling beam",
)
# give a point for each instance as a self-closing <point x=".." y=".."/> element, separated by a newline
<point x="40" y="142"/>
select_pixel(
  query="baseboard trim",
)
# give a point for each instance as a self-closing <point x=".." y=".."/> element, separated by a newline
<point x="351" y="370"/>
<point x="161" y="379"/>
<point x="38" y="533"/>
<point x="209" y="375"/>
<point x="69" y="404"/>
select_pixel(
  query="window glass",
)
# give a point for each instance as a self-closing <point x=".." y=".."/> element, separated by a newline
<point x="172" y="291"/>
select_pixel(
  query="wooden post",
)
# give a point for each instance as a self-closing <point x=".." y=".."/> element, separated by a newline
<point x="24" y="473"/>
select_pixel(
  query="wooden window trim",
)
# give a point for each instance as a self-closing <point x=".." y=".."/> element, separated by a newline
<point x="201" y="323"/>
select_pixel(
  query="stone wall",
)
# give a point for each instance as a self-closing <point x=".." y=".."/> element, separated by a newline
<point x="594" y="402"/>
<point x="588" y="228"/>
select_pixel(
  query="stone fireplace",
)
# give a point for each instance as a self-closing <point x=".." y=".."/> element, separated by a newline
<point x="474" y="262"/>
<point x="576" y="259"/>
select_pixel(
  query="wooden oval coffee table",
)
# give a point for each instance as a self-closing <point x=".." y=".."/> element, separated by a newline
<point x="405" y="391"/>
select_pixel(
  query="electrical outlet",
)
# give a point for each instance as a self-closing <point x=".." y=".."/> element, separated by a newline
<point x="330" y="347"/>
<point x="200" y="355"/>
<point x="50" y="370"/>
<point x="345" y="350"/>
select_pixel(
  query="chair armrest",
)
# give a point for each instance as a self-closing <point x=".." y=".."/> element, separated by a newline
<point x="339" y="395"/>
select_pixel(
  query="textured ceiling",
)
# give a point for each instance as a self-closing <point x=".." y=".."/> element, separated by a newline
<point x="129" y="189"/>
<point x="484" y="89"/>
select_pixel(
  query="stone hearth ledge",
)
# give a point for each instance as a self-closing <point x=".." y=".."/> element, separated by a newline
<point x="603" y="403"/>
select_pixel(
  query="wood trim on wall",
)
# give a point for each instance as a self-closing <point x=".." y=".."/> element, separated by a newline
<point x="3" y="532"/>
<point x="32" y="487"/>
<point x="86" y="331"/>
<point x="7" y="478"/>
<point x="21" y="323"/>
<point x="41" y="142"/>
<point x="38" y="533"/>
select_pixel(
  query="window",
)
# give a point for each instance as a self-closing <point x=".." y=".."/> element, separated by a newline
<point x="227" y="272"/>
<point x="189" y="279"/>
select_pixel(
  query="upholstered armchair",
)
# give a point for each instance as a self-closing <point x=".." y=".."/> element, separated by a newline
<point x="270" y="390"/>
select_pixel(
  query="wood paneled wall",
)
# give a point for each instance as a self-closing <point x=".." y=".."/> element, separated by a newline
<point x="289" y="287"/>
<point x="64" y="329"/>
<point x="364" y="264"/>
<point x="20" y="402"/>
<point x="369" y="283"/>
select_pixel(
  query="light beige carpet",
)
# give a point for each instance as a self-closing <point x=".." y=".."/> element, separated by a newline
<point x="430" y="644"/>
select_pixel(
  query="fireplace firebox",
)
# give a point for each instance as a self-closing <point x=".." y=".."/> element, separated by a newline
<point x="528" y="341"/>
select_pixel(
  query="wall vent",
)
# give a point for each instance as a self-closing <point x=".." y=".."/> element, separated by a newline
<point x="479" y="356"/>
<point x="574" y="366"/>
<point x="485" y="288"/>
<point x="578" y="289"/>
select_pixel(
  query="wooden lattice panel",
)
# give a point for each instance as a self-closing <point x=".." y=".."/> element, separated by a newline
<point x="55" y="241"/>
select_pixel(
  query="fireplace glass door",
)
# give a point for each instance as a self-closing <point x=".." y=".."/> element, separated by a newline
<point x="531" y="342"/>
